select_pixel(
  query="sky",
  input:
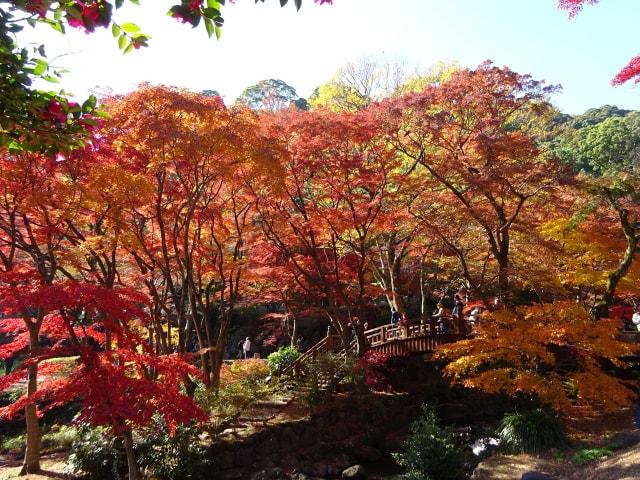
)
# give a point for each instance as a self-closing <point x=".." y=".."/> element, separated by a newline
<point x="306" y="48"/>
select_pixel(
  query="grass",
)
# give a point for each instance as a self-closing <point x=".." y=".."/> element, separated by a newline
<point x="586" y="455"/>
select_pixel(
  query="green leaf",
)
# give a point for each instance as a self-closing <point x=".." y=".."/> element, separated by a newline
<point x="129" y="48"/>
<point x="119" y="3"/>
<point x="211" y="12"/>
<point x="50" y="78"/>
<point x="130" y="27"/>
<point x="115" y="30"/>
<point x="283" y="2"/>
<point x="209" y="26"/>
<point x="218" y="31"/>
<point x="298" y="4"/>
<point x="41" y="67"/>
<point x="122" y="41"/>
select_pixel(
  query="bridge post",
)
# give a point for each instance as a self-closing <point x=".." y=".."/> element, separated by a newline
<point x="383" y="335"/>
<point x="405" y="330"/>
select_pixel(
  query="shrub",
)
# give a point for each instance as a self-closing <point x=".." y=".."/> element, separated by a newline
<point x="97" y="455"/>
<point x="282" y="358"/>
<point x="242" y="385"/>
<point x="172" y="457"/>
<point x="430" y="451"/>
<point x="59" y="436"/>
<point x="321" y="377"/>
<point x="251" y="370"/>
<point x="17" y="442"/>
<point x="586" y="455"/>
<point x="100" y="456"/>
<point x="531" y="431"/>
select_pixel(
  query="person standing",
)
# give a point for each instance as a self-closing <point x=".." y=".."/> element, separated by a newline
<point x="636" y="318"/>
<point x="246" y="347"/>
<point x="456" y="313"/>
<point x="395" y="316"/>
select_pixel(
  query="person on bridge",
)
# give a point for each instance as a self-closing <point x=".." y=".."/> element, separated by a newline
<point x="439" y="317"/>
<point x="395" y="316"/>
<point x="636" y="318"/>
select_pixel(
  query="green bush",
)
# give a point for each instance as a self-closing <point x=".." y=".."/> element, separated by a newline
<point x="321" y="377"/>
<point x="431" y="451"/>
<point x="532" y="431"/>
<point x="231" y="400"/>
<point x="59" y="436"/>
<point x="17" y="442"/>
<point x="282" y="358"/>
<point x="97" y="455"/>
<point x="172" y="457"/>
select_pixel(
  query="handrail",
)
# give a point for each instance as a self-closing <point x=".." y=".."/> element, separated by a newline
<point x="376" y="337"/>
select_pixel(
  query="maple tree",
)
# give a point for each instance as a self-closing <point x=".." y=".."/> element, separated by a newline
<point x="59" y="274"/>
<point x="551" y="353"/>
<point x="189" y="240"/>
<point x="339" y="184"/>
<point x="464" y="136"/>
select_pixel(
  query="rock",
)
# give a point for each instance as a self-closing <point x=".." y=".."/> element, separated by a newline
<point x="364" y="453"/>
<point x="233" y="474"/>
<point x="537" y="476"/>
<point x="355" y="472"/>
<point x="302" y="476"/>
<point x="391" y="443"/>
<point x="337" y="464"/>
<point x="318" y="469"/>
<point x="626" y="439"/>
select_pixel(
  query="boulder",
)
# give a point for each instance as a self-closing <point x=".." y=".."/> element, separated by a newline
<point x="537" y="476"/>
<point x="355" y="472"/>
<point x="367" y="454"/>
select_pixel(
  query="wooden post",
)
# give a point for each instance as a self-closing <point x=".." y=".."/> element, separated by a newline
<point x="329" y="339"/>
<point x="383" y="334"/>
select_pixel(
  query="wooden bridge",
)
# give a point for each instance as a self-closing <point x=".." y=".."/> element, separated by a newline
<point x="390" y="339"/>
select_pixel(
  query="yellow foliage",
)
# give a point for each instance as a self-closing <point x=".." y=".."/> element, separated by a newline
<point x="541" y="351"/>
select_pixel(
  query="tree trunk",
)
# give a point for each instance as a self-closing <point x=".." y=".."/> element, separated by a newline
<point x="31" y="462"/>
<point x="601" y="309"/>
<point x="131" y="458"/>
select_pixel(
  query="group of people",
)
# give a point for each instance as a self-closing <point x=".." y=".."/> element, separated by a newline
<point x="441" y="318"/>
<point x="244" y="348"/>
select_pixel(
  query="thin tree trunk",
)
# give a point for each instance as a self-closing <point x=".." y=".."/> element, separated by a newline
<point x="131" y="458"/>
<point x="31" y="462"/>
<point x="601" y="310"/>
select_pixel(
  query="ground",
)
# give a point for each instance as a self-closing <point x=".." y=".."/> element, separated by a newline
<point x="52" y="465"/>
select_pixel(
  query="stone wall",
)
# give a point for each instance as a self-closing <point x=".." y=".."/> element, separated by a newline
<point x="321" y="445"/>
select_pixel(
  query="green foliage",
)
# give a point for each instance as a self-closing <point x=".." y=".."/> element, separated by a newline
<point x="176" y="456"/>
<point x="16" y="442"/>
<point x="160" y="454"/>
<point x="585" y="455"/>
<point x="532" y="431"/>
<point x="59" y="436"/>
<point x="96" y="454"/>
<point x="431" y="451"/>
<point x="232" y="399"/>
<point x="321" y="377"/>
<point x="282" y="358"/>
<point x="269" y="95"/>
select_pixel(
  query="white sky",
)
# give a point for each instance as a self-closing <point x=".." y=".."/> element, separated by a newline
<point x="305" y="48"/>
